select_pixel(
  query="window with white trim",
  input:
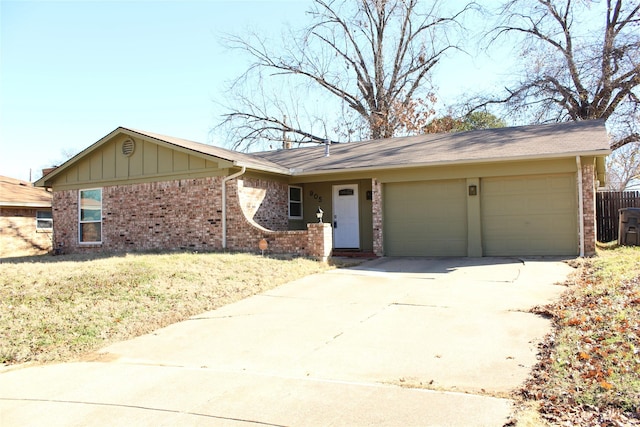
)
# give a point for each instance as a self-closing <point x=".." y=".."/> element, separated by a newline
<point x="90" y="216"/>
<point x="295" y="202"/>
<point x="44" y="221"/>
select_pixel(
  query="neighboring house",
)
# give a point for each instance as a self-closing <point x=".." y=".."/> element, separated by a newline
<point x="516" y="191"/>
<point x="26" y="224"/>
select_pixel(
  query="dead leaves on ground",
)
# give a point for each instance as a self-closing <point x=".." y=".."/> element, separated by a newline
<point x="589" y="367"/>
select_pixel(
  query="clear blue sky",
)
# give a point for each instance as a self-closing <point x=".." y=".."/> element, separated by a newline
<point x="73" y="71"/>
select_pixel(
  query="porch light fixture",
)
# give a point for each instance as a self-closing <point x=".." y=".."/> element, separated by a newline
<point x="319" y="214"/>
<point x="473" y="190"/>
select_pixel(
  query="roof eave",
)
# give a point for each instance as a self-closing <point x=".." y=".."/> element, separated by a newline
<point x="42" y="182"/>
<point x="596" y="153"/>
<point x="25" y="205"/>
<point x="157" y="139"/>
<point x="262" y="168"/>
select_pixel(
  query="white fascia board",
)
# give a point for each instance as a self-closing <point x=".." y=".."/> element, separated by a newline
<point x="24" y="205"/>
<point x="262" y="168"/>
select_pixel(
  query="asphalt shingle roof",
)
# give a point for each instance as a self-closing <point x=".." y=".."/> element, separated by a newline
<point x="17" y="193"/>
<point x="511" y="143"/>
<point x="489" y="145"/>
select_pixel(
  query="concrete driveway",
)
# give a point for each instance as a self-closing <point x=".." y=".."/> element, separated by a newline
<point x="395" y="341"/>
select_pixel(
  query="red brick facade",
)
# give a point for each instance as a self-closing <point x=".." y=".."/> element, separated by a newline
<point x="376" y="211"/>
<point x="18" y="234"/>
<point x="258" y="209"/>
<point x="589" y="203"/>
<point x="182" y="214"/>
<point x="265" y="202"/>
<point x="187" y="214"/>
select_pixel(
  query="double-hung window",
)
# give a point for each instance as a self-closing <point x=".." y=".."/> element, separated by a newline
<point x="44" y="221"/>
<point x="90" y="216"/>
<point x="295" y="202"/>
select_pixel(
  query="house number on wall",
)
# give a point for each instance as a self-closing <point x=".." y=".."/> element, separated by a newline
<point x="315" y="196"/>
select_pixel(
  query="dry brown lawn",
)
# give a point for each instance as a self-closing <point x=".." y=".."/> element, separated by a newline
<point x="58" y="308"/>
<point x="589" y="369"/>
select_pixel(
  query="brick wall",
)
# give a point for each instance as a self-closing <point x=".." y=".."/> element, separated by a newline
<point x="320" y="240"/>
<point x="589" y="205"/>
<point x="244" y="231"/>
<point x="18" y="234"/>
<point x="65" y="220"/>
<point x="181" y="214"/>
<point x="376" y="211"/>
<point x="265" y="202"/>
<point x="187" y="214"/>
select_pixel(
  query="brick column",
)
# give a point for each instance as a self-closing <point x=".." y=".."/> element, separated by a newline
<point x="320" y="241"/>
<point x="376" y="211"/>
<point x="589" y="207"/>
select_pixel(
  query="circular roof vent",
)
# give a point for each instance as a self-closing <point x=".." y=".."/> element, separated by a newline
<point x="128" y="147"/>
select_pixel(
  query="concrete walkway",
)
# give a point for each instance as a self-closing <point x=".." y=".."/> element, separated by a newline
<point x="397" y="342"/>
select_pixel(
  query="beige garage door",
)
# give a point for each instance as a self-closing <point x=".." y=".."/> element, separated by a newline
<point x="529" y="215"/>
<point x="425" y="218"/>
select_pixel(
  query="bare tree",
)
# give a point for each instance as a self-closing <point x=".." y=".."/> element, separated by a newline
<point x="623" y="167"/>
<point x="363" y="66"/>
<point x="581" y="61"/>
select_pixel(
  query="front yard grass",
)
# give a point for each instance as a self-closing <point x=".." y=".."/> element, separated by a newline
<point x="589" y="369"/>
<point x="58" y="308"/>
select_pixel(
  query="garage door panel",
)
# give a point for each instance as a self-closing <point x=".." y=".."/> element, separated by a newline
<point x="519" y="227"/>
<point x="535" y="247"/>
<point x="425" y="218"/>
<point x="533" y="215"/>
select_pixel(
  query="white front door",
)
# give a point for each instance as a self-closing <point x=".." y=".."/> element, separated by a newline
<point x="346" y="226"/>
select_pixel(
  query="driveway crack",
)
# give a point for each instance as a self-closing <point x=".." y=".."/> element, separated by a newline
<point x="339" y="334"/>
<point x="143" y="408"/>
<point x="406" y="304"/>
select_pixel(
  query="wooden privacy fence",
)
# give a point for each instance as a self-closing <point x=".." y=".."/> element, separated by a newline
<point x="607" y="205"/>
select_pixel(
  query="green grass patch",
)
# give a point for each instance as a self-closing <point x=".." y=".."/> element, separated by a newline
<point x="57" y="308"/>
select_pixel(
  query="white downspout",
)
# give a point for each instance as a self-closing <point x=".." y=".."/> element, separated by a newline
<point x="224" y="204"/>
<point x="580" y="206"/>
